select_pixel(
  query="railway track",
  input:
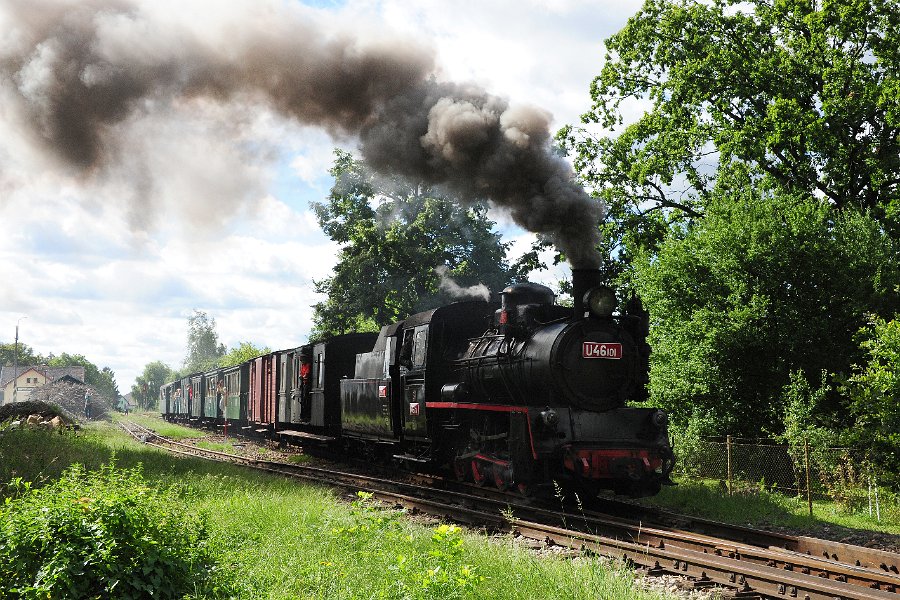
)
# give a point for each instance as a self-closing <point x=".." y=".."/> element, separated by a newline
<point x="752" y="563"/>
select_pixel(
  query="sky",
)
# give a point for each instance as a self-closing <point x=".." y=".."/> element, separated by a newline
<point x="202" y="203"/>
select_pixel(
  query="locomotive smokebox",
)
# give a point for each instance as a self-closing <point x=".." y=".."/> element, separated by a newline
<point x="582" y="281"/>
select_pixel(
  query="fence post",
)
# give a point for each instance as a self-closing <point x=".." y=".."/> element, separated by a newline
<point x="806" y="461"/>
<point x="870" y="494"/>
<point x="877" y="504"/>
<point x="728" y="454"/>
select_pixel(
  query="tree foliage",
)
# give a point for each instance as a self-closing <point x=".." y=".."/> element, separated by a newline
<point x="393" y="236"/>
<point x="145" y="390"/>
<point x="752" y="175"/>
<point x="26" y="355"/>
<point x="805" y="94"/>
<point x="760" y="288"/>
<point x="203" y="347"/>
<point x="242" y="353"/>
<point x="103" y="380"/>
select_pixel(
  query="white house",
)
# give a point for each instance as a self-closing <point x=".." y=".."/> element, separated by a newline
<point x="17" y="386"/>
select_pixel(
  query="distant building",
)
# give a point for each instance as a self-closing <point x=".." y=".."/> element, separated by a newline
<point x="31" y="377"/>
<point x="125" y="403"/>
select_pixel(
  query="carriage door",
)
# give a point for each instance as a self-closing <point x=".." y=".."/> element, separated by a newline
<point x="412" y="374"/>
<point x="296" y="389"/>
<point x="317" y="410"/>
<point x="285" y="384"/>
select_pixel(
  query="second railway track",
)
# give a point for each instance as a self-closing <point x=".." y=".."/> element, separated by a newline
<point x="752" y="563"/>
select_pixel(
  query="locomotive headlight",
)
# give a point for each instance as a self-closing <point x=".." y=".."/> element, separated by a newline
<point x="601" y="301"/>
<point x="550" y="417"/>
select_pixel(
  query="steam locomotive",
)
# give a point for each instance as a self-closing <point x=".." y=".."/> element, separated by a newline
<point x="521" y="395"/>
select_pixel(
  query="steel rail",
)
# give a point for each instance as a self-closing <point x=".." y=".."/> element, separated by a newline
<point x="871" y="558"/>
<point x="865" y="567"/>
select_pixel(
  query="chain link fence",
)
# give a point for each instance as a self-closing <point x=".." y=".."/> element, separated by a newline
<point x="806" y="471"/>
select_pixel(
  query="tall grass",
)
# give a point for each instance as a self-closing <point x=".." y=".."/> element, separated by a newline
<point x="758" y="505"/>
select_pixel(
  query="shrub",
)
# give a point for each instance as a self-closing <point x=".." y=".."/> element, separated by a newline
<point x="873" y="391"/>
<point x="103" y="534"/>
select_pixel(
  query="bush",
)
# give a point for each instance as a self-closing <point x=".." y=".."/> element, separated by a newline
<point x="873" y="391"/>
<point x="102" y="534"/>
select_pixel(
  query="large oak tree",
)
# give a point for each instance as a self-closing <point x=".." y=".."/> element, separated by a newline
<point x="805" y="92"/>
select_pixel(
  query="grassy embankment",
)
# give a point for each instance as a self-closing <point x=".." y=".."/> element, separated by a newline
<point x="280" y="539"/>
<point x="755" y="505"/>
<point x="752" y="505"/>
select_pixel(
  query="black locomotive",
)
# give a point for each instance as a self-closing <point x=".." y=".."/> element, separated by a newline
<point x="519" y="395"/>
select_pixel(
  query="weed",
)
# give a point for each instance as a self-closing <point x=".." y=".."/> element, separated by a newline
<point x="377" y="533"/>
<point x="448" y="576"/>
<point x="509" y="515"/>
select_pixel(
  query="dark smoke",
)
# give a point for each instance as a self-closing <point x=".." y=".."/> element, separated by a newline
<point x="79" y="69"/>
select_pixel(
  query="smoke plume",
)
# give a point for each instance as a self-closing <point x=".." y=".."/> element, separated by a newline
<point x="78" y="71"/>
<point x="448" y="285"/>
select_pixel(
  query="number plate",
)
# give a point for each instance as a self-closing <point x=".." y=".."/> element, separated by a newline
<point x="608" y="350"/>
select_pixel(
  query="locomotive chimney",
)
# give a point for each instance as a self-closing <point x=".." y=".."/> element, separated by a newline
<point x="582" y="281"/>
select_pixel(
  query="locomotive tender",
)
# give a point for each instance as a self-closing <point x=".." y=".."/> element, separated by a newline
<point x="519" y="395"/>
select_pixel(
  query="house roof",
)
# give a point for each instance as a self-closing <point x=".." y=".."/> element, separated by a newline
<point x="51" y="373"/>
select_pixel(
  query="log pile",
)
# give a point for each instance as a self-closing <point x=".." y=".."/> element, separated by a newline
<point x="36" y="414"/>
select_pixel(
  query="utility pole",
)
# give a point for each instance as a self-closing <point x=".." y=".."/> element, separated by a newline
<point x="16" y="362"/>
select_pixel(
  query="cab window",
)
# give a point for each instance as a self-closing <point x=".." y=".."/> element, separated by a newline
<point x="419" y="346"/>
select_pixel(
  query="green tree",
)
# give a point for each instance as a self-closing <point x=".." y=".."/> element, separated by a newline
<point x="401" y="245"/>
<point x="801" y="93"/>
<point x="761" y="288"/>
<point x="145" y="390"/>
<point x="103" y="380"/>
<point x="242" y="353"/>
<point x="203" y="347"/>
<point x="26" y="355"/>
